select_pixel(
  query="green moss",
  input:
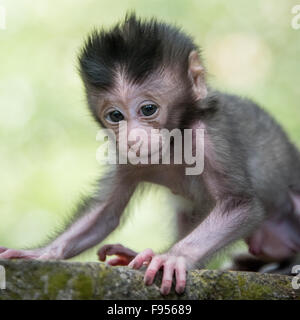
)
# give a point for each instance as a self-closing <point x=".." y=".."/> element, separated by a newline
<point x="56" y="282"/>
<point x="241" y="281"/>
<point x="256" y="291"/>
<point x="227" y="287"/>
<point x="257" y="288"/>
<point x="83" y="287"/>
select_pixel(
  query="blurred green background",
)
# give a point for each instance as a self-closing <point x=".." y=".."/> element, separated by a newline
<point x="48" y="139"/>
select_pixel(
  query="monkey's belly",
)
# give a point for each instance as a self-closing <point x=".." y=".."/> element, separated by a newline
<point x="279" y="236"/>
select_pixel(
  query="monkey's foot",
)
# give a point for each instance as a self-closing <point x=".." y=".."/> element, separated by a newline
<point x="170" y="263"/>
<point x="6" y="253"/>
<point x="124" y="255"/>
<point x="247" y="262"/>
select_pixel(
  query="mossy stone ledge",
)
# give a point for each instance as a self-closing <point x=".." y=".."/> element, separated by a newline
<point x="27" y="279"/>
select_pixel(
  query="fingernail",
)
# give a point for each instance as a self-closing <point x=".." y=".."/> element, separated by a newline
<point x="180" y="290"/>
<point x="164" y="291"/>
<point x="147" y="281"/>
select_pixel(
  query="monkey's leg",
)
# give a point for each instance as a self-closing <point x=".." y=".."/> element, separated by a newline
<point x="248" y="262"/>
<point x="124" y="255"/>
<point x="277" y="241"/>
<point x="219" y="228"/>
<point x="278" y="237"/>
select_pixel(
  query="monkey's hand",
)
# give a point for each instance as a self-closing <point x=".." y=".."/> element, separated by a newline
<point x="42" y="254"/>
<point x="170" y="263"/>
<point x="124" y="255"/>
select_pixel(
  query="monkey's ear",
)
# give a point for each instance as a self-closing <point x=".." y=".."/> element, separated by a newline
<point x="197" y="75"/>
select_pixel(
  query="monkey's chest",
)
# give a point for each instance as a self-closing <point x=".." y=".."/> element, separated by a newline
<point x="190" y="188"/>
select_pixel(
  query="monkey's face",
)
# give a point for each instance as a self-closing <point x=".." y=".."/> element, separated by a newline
<point x="136" y="112"/>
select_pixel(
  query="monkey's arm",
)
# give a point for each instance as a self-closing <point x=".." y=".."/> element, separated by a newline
<point x="227" y="222"/>
<point x="100" y="217"/>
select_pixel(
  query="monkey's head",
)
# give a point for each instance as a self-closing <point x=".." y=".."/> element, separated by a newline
<point x="146" y="73"/>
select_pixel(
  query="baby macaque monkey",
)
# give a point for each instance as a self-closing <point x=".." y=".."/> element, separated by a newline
<point x="150" y="75"/>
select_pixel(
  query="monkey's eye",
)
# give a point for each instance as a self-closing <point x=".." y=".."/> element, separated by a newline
<point x="148" y="109"/>
<point x="115" y="116"/>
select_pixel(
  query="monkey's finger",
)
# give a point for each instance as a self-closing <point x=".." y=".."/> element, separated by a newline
<point x="118" y="262"/>
<point x="144" y="256"/>
<point x="2" y="249"/>
<point x="168" y="273"/>
<point x="102" y="251"/>
<point x="152" y="270"/>
<point x="8" y="254"/>
<point x="116" y="249"/>
<point x="122" y="252"/>
<point x="13" y="254"/>
<point x="107" y="249"/>
<point x="180" y="272"/>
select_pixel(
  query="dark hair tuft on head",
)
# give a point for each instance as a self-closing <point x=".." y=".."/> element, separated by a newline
<point x="137" y="47"/>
